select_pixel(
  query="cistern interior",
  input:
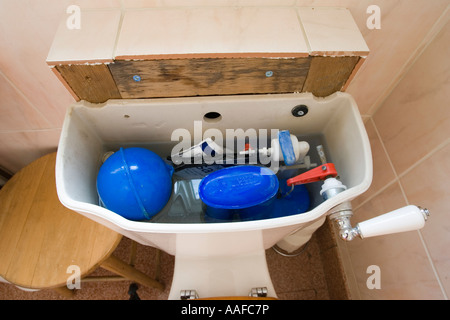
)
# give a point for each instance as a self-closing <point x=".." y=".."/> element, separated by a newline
<point x="150" y="124"/>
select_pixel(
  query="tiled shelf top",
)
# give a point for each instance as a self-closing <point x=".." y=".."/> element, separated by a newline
<point x="332" y="31"/>
<point x="210" y="31"/>
<point x="165" y="33"/>
<point x="94" y="41"/>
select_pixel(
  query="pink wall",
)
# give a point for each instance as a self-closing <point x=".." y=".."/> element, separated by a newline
<point x="410" y="139"/>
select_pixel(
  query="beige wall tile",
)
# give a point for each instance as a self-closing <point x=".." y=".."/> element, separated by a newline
<point x="28" y="28"/>
<point x="415" y="118"/>
<point x="16" y="113"/>
<point x="93" y="41"/>
<point x="19" y="148"/>
<point x="210" y="31"/>
<point x="428" y="185"/>
<point x="382" y="170"/>
<point x="204" y="3"/>
<point x="182" y="3"/>
<point x="131" y="4"/>
<point x="262" y="3"/>
<point x="406" y="272"/>
<point x="389" y="199"/>
<point x="391" y="47"/>
<point x="84" y="4"/>
<point x="332" y="31"/>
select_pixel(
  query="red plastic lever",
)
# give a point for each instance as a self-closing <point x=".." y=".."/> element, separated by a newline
<point x="320" y="173"/>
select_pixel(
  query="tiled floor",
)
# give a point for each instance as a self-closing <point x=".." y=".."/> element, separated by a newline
<point x="294" y="278"/>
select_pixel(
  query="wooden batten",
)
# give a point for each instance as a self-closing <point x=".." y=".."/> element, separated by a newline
<point x="329" y="74"/>
<point x="212" y="76"/>
<point x="92" y="83"/>
<point x="158" y="78"/>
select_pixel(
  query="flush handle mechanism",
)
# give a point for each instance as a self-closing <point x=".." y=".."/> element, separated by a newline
<point x="320" y="173"/>
<point x="407" y="218"/>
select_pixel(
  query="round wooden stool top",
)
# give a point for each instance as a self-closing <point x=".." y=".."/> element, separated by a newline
<point x="40" y="238"/>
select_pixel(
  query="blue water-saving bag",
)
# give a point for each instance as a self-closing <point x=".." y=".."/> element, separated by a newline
<point x="248" y="191"/>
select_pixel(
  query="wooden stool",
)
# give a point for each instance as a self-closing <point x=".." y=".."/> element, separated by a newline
<point x="40" y="238"/>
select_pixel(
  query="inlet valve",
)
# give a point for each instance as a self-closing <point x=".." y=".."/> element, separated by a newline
<point x="341" y="214"/>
